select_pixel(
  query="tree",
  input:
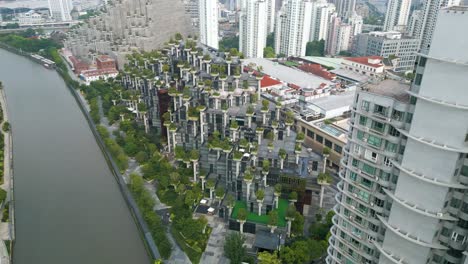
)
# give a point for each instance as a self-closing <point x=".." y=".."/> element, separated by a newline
<point x="242" y="217"/>
<point x="266" y="257"/>
<point x="141" y="157"/>
<point x="272" y="220"/>
<point x="229" y="43"/>
<point x="268" y="52"/>
<point x="234" y="248"/>
<point x="219" y="193"/>
<point x="315" y="48"/>
<point x="297" y="226"/>
<point x="271" y="40"/>
<point x="175" y="179"/>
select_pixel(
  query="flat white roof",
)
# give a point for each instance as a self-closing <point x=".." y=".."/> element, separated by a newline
<point x="334" y="101"/>
<point x="287" y="74"/>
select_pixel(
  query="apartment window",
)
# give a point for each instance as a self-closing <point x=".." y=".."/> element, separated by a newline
<point x="357" y="148"/>
<point x="362" y="209"/>
<point x="374" y="141"/>
<point x="445" y="232"/>
<point x="338" y="149"/>
<point x="418" y="79"/>
<point x="391" y="147"/>
<point x="462" y="223"/>
<point x="360" y="134"/>
<point x="381" y="110"/>
<point x="362" y="120"/>
<point x="387" y="162"/>
<point x="328" y="143"/>
<point x="422" y="61"/>
<point x="319" y="139"/>
<point x="455" y="203"/>
<point x="365" y="105"/>
<point x="355" y="163"/>
<point x="369" y="169"/>
<point x="378" y="126"/>
<point x="364" y="196"/>
<point x="393" y="132"/>
<point x="413" y="100"/>
<point x="384" y="175"/>
<point x="373" y="227"/>
<point x="356" y="231"/>
<point x="464" y="171"/>
<point x="370" y="155"/>
<point x="310" y="134"/>
<point x="366" y="182"/>
<point x="409" y="117"/>
<point x="397" y="115"/>
<point x="353" y="176"/>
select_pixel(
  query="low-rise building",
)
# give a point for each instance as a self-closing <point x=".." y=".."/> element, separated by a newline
<point x="388" y="45"/>
<point x="89" y="76"/>
<point x="30" y="18"/>
<point x="369" y="65"/>
<point x="105" y="62"/>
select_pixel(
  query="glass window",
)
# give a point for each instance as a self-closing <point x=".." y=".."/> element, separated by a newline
<point x="337" y="148"/>
<point x="418" y="79"/>
<point x="368" y="169"/>
<point x="374" y="141"/>
<point x="362" y="120"/>
<point x="422" y="61"/>
<point x="409" y="117"/>
<point x="355" y="163"/>
<point x="319" y="139"/>
<point x="328" y="143"/>
<point x="364" y="196"/>
<point x="360" y="134"/>
<point x="464" y="171"/>
<point x="391" y="147"/>
<point x="366" y="182"/>
<point x="365" y="105"/>
<point x="310" y="134"/>
<point x="393" y="132"/>
<point x="378" y="126"/>
<point x="455" y="203"/>
<point x="381" y="110"/>
<point x="397" y="115"/>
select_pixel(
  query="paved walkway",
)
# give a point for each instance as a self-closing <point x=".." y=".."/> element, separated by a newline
<point x="5" y="227"/>
<point x="214" y="252"/>
<point x="178" y="256"/>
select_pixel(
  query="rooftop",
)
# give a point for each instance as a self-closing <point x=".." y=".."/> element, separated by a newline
<point x="263" y="219"/>
<point x="372" y="61"/>
<point x="335" y="101"/>
<point x="288" y="74"/>
<point x="267" y="81"/>
<point x="350" y="75"/>
<point x="329" y="62"/>
<point x="389" y="88"/>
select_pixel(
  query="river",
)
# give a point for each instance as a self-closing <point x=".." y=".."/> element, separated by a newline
<point x="68" y="206"/>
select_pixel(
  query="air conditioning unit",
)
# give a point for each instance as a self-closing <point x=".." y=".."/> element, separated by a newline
<point x="352" y="207"/>
<point x="364" y="139"/>
<point x="367" y="129"/>
<point x="359" y="171"/>
<point x="371" y="204"/>
<point x="440" y="214"/>
<point x="350" y="217"/>
<point x="355" y="195"/>
<point x="377" y="178"/>
<point x="389" y="119"/>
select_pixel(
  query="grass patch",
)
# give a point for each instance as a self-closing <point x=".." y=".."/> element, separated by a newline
<point x="291" y="63"/>
<point x="263" y="219"/>
<point x="193" y="253"/>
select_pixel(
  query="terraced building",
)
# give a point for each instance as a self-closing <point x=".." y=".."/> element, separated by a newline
<point x="218" y="123"/>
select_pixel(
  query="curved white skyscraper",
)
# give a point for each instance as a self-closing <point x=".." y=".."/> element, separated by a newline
<point x="404" y="191"/>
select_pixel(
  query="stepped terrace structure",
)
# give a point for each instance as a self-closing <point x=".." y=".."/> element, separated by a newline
<point x="124" y="26"/>
<point x="216" y="121"/>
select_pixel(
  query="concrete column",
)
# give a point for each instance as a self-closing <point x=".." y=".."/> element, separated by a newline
<point x="248" y="191"/>
<point x="237" y="168"/>
<point x="322" y="192"/>
<point x="195" y="167"/>
<point x="260" y="208"/>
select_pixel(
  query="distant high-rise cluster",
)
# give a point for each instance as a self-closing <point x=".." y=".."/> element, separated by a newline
<point x="253" y="27"/>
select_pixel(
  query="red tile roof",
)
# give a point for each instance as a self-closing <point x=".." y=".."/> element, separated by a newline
<point x="365" y="60"/>
<point x="98" y="72"/>
<point x="318" y="70"/>
<point x="267" y="81"/>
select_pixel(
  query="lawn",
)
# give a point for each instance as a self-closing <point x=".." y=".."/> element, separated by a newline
<point x="263" y="219"/>
<point x="291" y="63"/>
<point x="194" y="253"/>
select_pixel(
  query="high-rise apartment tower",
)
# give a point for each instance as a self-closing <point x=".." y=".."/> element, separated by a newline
<point x="403" y="196"/>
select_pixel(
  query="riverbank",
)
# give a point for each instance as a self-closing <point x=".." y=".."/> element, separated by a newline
<point x="7" y="228"/>
<point x="145" y="233"/>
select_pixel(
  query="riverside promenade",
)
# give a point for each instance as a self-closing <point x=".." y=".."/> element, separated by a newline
<point x="7" y="228"/>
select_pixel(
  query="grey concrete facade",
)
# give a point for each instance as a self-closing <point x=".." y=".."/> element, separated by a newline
<point x="417" y="211"/>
